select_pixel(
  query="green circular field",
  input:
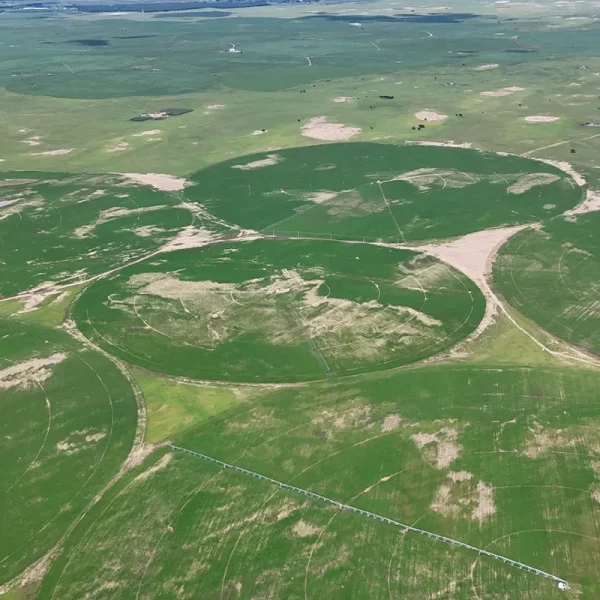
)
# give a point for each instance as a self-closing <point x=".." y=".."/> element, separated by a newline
<point x="280" y="311"/>
<point x="369" y="191"/>
<point x="552" y="275"/>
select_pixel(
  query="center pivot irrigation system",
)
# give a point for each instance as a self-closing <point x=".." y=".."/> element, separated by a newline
<point x="562" y="583"/>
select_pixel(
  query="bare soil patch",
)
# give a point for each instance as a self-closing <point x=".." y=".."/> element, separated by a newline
<point x="507" y="91"/>
<point x="59" y="152"/>
<point x="145" y="133"/>
<point x="391" y="422"/>
<point x="447" y="449"/>
<point x="319" y="129"/>
<point x="540" y="119"/>
<point x="430" y="115"/>
<point x="272" y="159"/>
<point x="526" y="182"/>
<point x="165" y="183"/>
<point x="303" y="529"/>
<point x="487" y="67"/>
<point x="591" y="203"/>
<point x="27" y="374"/>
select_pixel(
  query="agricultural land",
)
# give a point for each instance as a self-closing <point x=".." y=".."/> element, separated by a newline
<point x="300" y="301"/>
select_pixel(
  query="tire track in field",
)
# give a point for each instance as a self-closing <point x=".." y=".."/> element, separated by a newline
<point x="109" y="435"/>
<point x="48" y="427"/>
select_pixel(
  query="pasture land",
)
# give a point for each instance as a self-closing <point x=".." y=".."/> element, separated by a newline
<point x="552" y="276"/>
<point x="381" y="192"/>
<point x="504" y="459"/>
<point x="68" y="422"/>
<point x="279" y="310"/>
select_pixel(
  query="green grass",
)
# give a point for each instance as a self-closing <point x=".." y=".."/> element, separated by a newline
<point x="527" y="436"/>
<point x="552" y="274"/>
<point x="68" y="423"/>
<point x="173" y="405"/>
<point x="10" y="307"/>
<point x="53" y="310"/>
<point x="276" y="311"/>
<point x="384" y="192"/>
<point x="503" y="344"/>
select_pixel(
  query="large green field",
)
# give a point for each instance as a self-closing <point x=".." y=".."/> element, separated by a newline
<point x="552" y="275"/>
<point x="299" y="301"/>
<point x="381" y="192"/>
<point x="280" y="311"/>
<point x="68" y="423"/>
<point x="487" y="456"/>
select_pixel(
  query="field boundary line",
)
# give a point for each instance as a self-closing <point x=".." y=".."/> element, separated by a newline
<point x="563" y="584"/>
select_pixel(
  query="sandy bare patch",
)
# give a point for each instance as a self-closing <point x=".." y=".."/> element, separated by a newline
<point x="430" y="115"/>
<point x="526" y="182"/>
<point x="158" y="466"/>
<point x="506" y="91"/>
<point x="27" y="374"/>
<point x="543" y="440"/>
<point x="443" y="501"/>
<point x="259" y="131"/>
<point x="215" y="106"/>
<point x="446" y="449"/>
<point x="350" y="417"/>
<point x="425" y="178"/>
<point x="566" y="167"/>
<point x="148" y="231"/>
<point x="159" y="181"/>
<point x="487" y="67"/>
<point x="596" y="495"/>
<point x="269" y="161"/>
<point x="540" y="119"/>
<point x="33" y="141"/>
<point x="391" y="422"/>
<point x="591" y="203"/>
<point x="485" y="506"/>
<point x="78" y="441"/>
<point x="113" y="213"/>
<point x="190" y="237"/>
<point x="120" y="147"/>
<point x="460" y="476"/>
<point x="322" y="196"/>
<point x="448" y="144"/>
<point x="303" y="529"/>
<point x="473" y="255"/>
<point x="340" y="99"/>
<point x="149" y="132"/>
<point x="319" y="129"/>
<point x="59" y="152"/>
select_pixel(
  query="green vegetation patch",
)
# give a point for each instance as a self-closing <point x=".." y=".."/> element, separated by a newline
<point x="173" y="405"/>
<point x="552" y="275"/>
<point x="58" y="228"/>
<point x="370" y="191"/>
<point x="68" y="422"/>
<point x="273" y="310"/>
<point x="502" y="459"/>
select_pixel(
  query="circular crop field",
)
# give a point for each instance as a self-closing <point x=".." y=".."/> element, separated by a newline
<point x="552" y="275"/>
<point x="369" y="191"/>
<point x="280" y="311"/>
